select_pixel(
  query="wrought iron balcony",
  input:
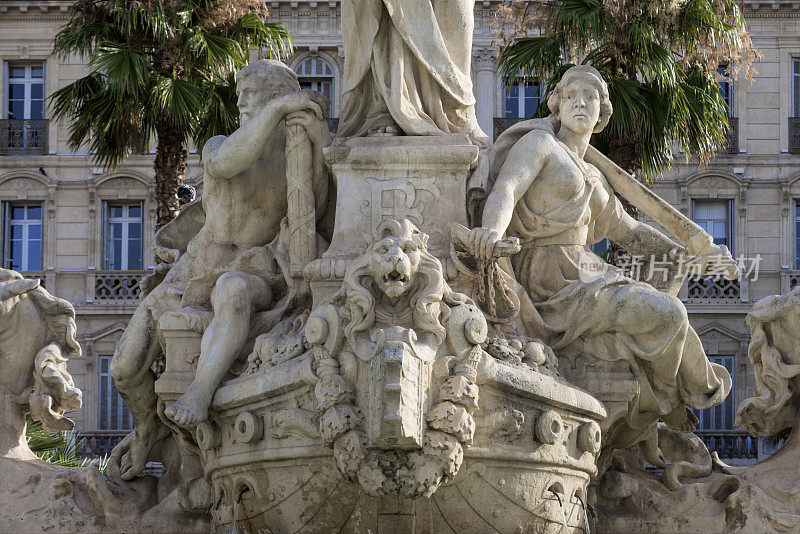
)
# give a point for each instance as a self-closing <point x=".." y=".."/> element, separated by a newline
<point x="732" y="145"/>
<point x="794" y="135"/>
<point x="98" y="443"/>
<point x="710" y="289"/>
<point x="501" y="124"/>
<point x="23" y="136"/>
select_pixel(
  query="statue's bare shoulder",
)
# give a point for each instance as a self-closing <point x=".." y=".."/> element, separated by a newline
<point x="212" y="145"/>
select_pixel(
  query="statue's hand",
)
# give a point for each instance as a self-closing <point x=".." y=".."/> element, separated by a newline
<point x="483" y="243"/>
<point x="301" y="101"/>
<point x="317" y="130"/>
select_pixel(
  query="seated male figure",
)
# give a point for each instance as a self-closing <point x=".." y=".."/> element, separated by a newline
<point x="227" y="265"/>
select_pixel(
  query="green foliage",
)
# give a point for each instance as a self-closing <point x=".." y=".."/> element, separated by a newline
<point x="155" y="64"/>
<point x="62" y="448"/>
<point x="659" y="59"/>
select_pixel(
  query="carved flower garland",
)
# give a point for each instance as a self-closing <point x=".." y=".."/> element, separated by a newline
<point x="412" y="474"/>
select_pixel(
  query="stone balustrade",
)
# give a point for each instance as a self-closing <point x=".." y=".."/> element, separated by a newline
<point x="730" y="444"/>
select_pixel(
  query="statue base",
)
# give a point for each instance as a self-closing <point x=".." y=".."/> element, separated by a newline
<point x="422" y="179"/>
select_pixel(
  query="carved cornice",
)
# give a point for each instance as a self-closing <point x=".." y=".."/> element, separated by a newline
<point x="29" y="10"/>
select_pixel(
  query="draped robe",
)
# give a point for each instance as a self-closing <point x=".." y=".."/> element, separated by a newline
<point x="606" y="315"/>
<point x="408" y="62"/>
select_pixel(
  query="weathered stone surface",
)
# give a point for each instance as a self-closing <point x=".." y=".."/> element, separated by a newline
<point x="700" y="493"/>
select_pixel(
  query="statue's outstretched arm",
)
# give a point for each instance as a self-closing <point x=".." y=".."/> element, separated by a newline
<point x="642" y="239"/>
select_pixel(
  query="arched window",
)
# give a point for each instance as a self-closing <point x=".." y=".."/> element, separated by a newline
<point x="316" y="74"/>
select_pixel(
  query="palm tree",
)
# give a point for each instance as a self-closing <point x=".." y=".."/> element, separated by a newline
<point x="660" y="59"/>
<point x="159" y="69"/>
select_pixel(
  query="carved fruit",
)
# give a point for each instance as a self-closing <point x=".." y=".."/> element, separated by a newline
<point x="333" y="389"/>
<point x="337" y="420"/>
<point x="461" y="390"/>
<point x="349" y="451"/>
<point x="453" y="419"/>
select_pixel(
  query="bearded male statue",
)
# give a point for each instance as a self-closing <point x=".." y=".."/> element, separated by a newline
<point x="228" y="266"/>
<point x="557" y="204"/>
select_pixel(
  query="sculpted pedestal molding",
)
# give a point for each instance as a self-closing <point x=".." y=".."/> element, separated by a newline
<point x="419" y="178"/>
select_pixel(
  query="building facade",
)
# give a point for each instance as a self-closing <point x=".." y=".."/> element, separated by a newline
<point x="84" y="230"/>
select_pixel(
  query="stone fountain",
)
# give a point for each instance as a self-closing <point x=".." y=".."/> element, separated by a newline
<point x="402" y="329"/>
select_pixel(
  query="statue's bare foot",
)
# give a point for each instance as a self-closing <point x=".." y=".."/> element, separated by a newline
<point x="136" y="447"/>
<point x="189" y="410"/>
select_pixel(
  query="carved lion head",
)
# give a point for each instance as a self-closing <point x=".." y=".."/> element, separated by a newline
<point x="396" y="268"/>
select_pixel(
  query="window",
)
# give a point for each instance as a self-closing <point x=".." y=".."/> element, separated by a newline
<point x="797" y="235"/>
<point x="122" y="236"/>
<point x="720" y="417"/>
<point x="113" y="414"/>
<point x="726" y="88"/>
<point x="316" y="74"/>
<point x="521" y="100"/>
<point x="716" y="218"/>
<point x="22" y="242"/>
<point x="796" y="87"/>
<point x="24" y="90"/>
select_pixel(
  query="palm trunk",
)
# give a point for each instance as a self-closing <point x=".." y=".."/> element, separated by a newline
<point x="170" y="170"/>
<point x="622" y="151"/>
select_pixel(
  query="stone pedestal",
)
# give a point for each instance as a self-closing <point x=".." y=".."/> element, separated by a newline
<point x="182" y="348"/>
<point x="422" y="179"/>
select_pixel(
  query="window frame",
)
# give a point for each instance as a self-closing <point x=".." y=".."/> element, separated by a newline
<point x="106" y="254"/>
<point x="794" y="85"/>
<point x="314" y="79"/>
<point x="520" y="98"/>
<point x="729" y="218"/>
<point x="8" y="222"/>
<point x="123" y="414"/>
<point x="708" y="417"/>
<point x="725" y="79"/>
<point x="27" y="82"/>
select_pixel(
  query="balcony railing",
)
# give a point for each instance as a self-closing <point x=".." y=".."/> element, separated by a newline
<point x="99" y="443"/>
<point x="732" y="144"/>
<point x="716" y="290"/>
<point x="794" y="135"/>
<point x="117" y="287"/>
<point x="501" y="124"/>
<point x="730" y="444"/>
<point x="23" y="136"/>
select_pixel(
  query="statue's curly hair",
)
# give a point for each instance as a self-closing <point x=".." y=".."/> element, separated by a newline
<point x="591" y="75"/>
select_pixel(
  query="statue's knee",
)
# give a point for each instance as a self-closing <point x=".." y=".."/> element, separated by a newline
<point x="120" y="369"/>
<point x="670" y="312"/>
<point x="233" y="290"/>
